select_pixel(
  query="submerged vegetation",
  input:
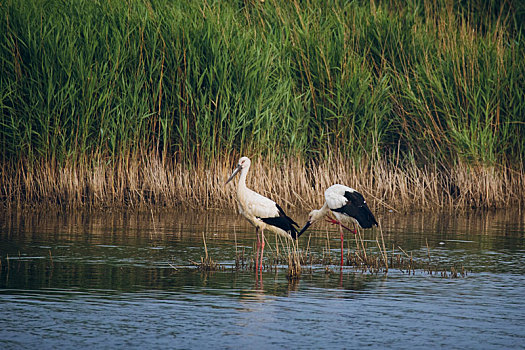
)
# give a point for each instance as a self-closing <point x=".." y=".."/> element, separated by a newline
<point x="416" y="103"/>
<point x="359" y="255"/>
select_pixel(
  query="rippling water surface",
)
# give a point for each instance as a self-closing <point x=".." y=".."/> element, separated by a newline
<point x="126" y="280"/>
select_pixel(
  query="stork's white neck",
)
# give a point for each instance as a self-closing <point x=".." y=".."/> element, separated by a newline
<point x="317" y="214"/>
<point x="241" y="186"/>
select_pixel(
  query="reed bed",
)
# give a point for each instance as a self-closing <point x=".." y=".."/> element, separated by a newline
<point x="150" y="101"/>
<point x="294" y="183"/>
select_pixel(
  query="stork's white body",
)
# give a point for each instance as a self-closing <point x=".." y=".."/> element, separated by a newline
<point x="335" y="199"/>
<point x="261" y="212"/>
<point x="347" y="205"/>
<point x="254" y="206"/>
<point x="335" y="195"/>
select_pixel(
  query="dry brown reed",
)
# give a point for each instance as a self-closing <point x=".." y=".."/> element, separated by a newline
<point x="294" y="256"/>
<point x="147" y="180"/>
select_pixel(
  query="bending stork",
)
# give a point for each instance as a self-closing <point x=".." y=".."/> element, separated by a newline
<point x="348" y="206"/>
<point x="261" y="212"/>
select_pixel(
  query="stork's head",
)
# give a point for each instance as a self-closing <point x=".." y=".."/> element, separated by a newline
<point x="312" y="217"/>
<point x="244" y="163"/>
<point x="315" y="215"/>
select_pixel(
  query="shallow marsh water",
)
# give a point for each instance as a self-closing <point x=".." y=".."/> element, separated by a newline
<point x="125" y="279"/>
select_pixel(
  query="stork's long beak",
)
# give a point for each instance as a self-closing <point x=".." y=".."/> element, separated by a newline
<point x="233" y="174"/>
<point x="305" y="227"/>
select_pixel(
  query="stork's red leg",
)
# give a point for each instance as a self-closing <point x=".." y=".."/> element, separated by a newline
<point x="335" y="222"/>
<point x="342" y="240"/>
<point x="332" y="221"/>
<point x="258" y="247"/>
<point x="262" y="248"/>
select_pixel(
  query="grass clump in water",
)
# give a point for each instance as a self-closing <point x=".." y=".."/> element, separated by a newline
<point x="207" y="263"/>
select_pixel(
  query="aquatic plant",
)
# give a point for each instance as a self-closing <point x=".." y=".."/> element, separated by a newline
<point x="207" y="263"/>
<point x="426" y="98"/>
<point x="289" y="256"/>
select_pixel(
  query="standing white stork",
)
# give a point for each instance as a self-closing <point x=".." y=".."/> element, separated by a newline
<point x="261" y="212"/>
<point x="347" y="205"/>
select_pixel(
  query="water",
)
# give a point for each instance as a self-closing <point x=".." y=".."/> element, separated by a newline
<point x="125" y="280"/>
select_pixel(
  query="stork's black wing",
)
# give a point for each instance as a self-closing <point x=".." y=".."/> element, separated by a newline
<point x="356" y="207"/>
<point x="283" y="221"/>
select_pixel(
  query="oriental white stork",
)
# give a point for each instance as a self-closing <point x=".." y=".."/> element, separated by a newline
<point x="348" y="206"/>
<point x="261" y="212"/>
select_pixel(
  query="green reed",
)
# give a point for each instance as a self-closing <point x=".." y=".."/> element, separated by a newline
<point x="88" y="83"/>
